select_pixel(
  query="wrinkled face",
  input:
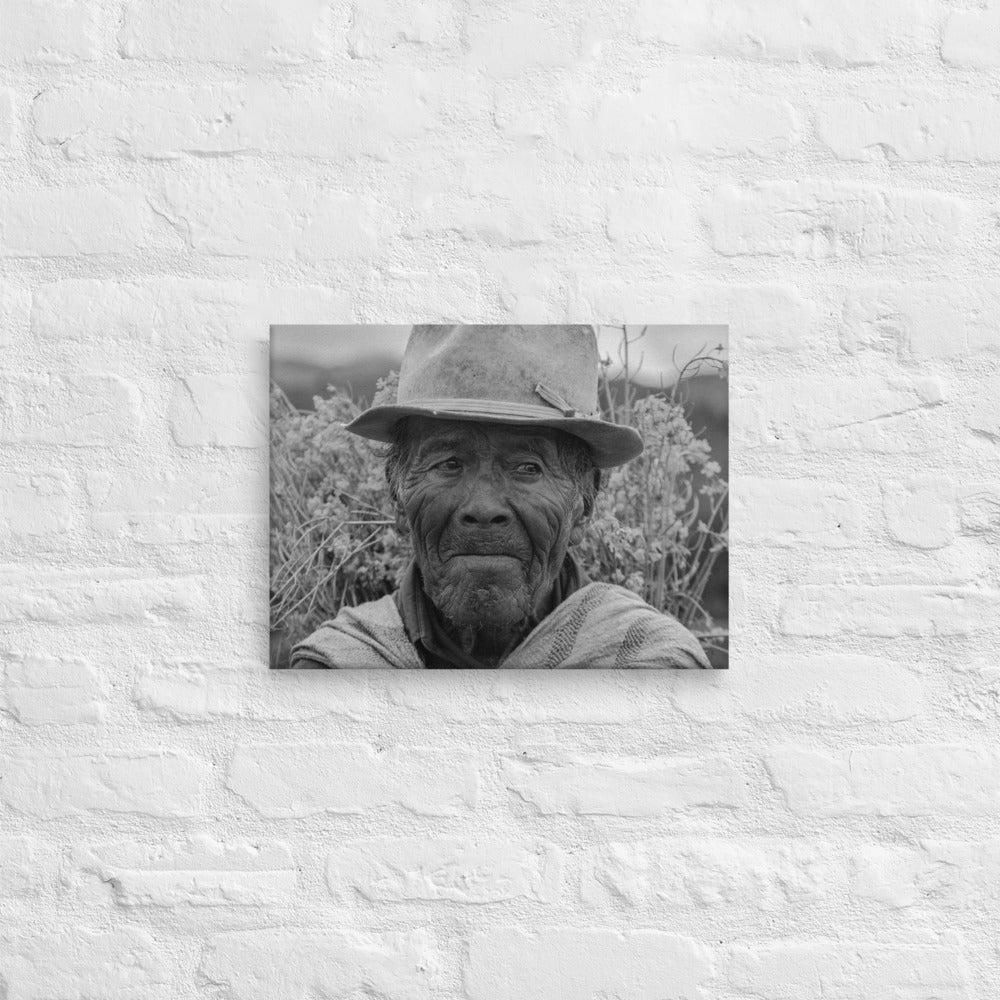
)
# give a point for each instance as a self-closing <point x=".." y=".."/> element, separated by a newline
<point x="492" y="512"/>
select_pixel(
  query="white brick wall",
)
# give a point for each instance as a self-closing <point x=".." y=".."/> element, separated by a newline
<point x="175" y="822"/>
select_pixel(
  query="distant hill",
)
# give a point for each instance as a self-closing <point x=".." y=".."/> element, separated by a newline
<point x="302" y="381"/>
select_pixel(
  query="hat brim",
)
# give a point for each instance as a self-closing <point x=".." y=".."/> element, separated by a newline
<point x="610" y="443"/>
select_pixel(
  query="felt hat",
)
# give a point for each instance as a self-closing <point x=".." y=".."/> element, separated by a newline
<point x="536" y="376"/>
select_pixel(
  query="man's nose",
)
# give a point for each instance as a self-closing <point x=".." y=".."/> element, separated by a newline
<point x="485" y="506"/>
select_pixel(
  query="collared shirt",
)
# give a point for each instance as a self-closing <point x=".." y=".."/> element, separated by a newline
<point x="436" y="647"/>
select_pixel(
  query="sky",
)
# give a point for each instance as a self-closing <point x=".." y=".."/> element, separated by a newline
<point x="342" y="346"/>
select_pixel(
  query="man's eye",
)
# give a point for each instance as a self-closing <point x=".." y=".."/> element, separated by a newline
<point x="449" y="465"/>
<point x="529" y="469"/>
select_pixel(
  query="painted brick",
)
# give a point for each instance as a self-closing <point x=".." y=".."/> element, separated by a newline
<point x="140" y="122"/>
<point x="762" y="875"/>
<point x="399" y="869"/>
<point x="247" y="31"/>
<point x="920" y="511"/>
<point x="147" y="122"/>
<point x="982" y="408"/>
<point x="888" y="611"/>
<point x="526" y="290"/>
<point x="293" y="220"/>
<point x="903" y="125"/>
<point x="821" y="219"/>
<point x="789" y="970"/>
<point x="532" y="118"/>
<point x="14" y="304"/>
<point x="826" y="689"/>
<point x="185" y="690"/>
<point x="79" y="410"/>
<point x="925" y="780"/>
<point x="173" y="508"/>
<point x="797" y="512"/>
<point x="573" y="964"/>
<point x="80" y="964"/>
<point x="222" y="411"/>
<point x="303" y="779"/>
<point x="79" y="222"/>
<point x="43" y="689"/>
<point x="8" y="125"/>
<point x="455" y="99"/>
<point x="382" y="26"/>
<point x="650" y="217"/>
<point x="199" y="871"/>
<point x="155" y="521"/>
<point x="19" y="865"/>
<point x="280" y="964"/>
<point x="160" y="783"/>
<point x="616" y="873"/>
<point x="761" y="317"/>
<point x="508" y="204"/>
<point x="974" y="693"/>
<point x="448" y="292"/>
<point x="713" y="122"/>
<point x="717" y="126"/>
<point x="98" y="594"/>
<point x="516" y="696"/>
<point x="195" y="690"/>
<point x="189" y="317"/>
<point x="496" y="219"/>
<point x="511" y="40"/>
<point x="790" y="30"/>
<point x="555" y="783"/>
<point x="754" y="875"/>
<point x="970" y="36"/>
<point x="42" y="31"/>
<point x="35" y="503"/>
<point x="856" y="412"/>
<point x="380" y="120"/>
<point x="979" y="508"/>
<point x="306" y="694"/>
<point x="953" y="874"/>
<point x="922" y="321"/>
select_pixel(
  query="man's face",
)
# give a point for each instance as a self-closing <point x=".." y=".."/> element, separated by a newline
<point x="492" y="512"/>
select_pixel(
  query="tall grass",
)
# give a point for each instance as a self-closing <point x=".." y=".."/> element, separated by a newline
<point x="659" y="526"/>
<point x="333" y="537"/>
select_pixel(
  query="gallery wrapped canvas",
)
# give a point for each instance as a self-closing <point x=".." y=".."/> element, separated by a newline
<point x="513" y="497"/>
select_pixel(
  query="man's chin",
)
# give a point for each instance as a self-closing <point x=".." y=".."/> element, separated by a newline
<point x="486" y="592"/>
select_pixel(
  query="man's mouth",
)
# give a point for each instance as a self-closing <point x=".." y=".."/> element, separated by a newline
<point x="485" y="556"/>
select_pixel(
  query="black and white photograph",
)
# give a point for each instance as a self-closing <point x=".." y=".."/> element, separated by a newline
<point x="499" y="497"/>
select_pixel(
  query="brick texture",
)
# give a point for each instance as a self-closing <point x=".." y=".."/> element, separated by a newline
<point x="176" y="821"/>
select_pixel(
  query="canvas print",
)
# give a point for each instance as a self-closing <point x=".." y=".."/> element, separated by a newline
<point x="499" y="497"/>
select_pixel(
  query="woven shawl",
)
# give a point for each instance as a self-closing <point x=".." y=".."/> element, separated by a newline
<point x="599" y="626"/>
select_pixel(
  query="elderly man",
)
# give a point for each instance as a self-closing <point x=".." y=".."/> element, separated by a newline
<point x="496" y="449"/>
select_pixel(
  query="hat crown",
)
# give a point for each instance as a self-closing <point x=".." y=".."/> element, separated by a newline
<point x="504" y="364"/>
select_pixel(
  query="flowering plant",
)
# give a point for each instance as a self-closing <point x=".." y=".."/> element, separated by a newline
<point x="333" y="537"/>
<point x="661" y="522"/>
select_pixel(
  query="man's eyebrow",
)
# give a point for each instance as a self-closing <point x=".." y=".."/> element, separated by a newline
<point x="452" y="441"/>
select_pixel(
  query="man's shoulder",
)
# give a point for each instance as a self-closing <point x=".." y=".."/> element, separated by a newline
<point x="367" y="636"/>
<point x="604" y="625"/>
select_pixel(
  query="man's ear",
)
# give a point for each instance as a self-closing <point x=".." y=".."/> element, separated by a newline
<point x="583" y="511"/>
<point x="580" y="519"/>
